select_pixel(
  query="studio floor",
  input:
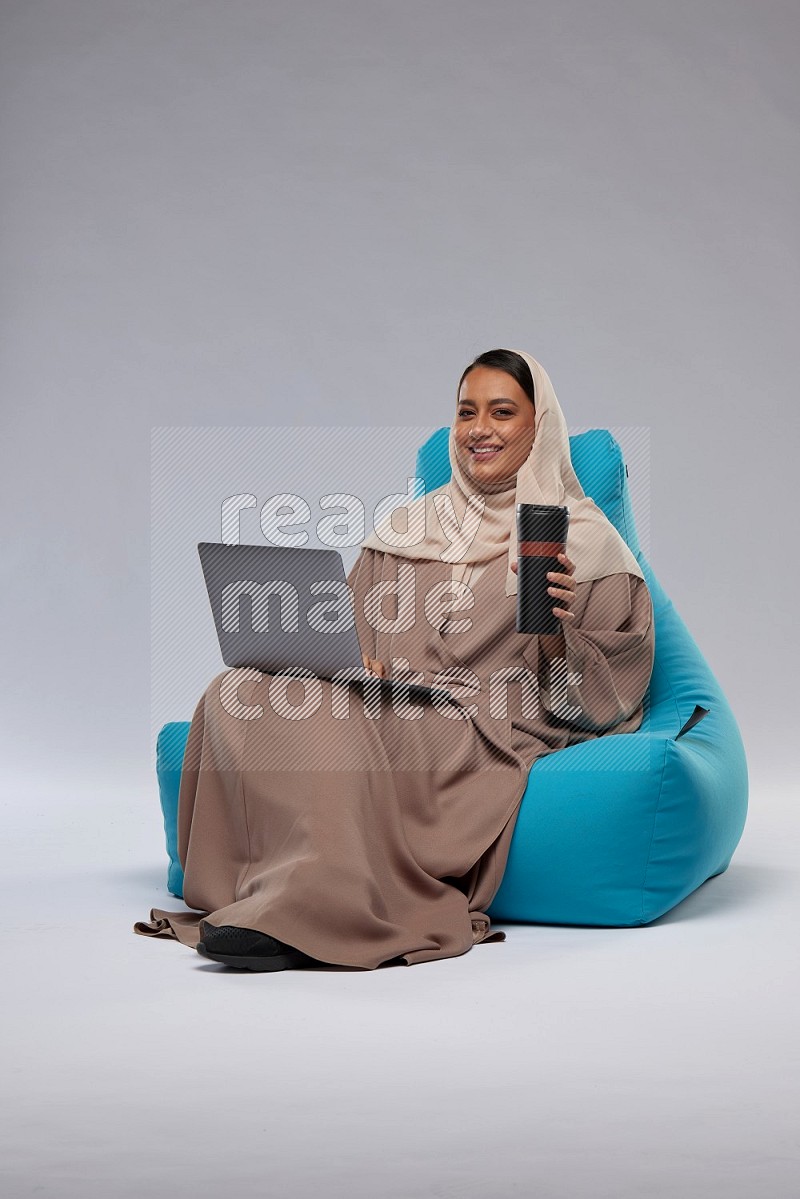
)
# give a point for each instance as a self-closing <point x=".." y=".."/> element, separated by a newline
<point x="563" y="1063"/>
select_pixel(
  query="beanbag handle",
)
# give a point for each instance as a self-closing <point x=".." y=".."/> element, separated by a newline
<point x="694" y="719"/>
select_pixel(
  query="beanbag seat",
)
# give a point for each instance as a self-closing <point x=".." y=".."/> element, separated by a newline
<point x="614" y="831"/>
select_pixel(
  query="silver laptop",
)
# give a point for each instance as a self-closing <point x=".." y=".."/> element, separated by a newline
<point x="276" y="608"/>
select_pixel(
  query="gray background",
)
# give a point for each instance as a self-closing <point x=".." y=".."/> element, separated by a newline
<point x="315" y="214"/>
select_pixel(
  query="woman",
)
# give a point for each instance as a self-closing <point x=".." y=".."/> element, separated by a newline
<point x="376" y="828"/>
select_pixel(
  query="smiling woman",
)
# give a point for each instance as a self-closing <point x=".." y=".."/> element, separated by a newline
<point x="495" y="421"/>
<point x="383" y="837"/>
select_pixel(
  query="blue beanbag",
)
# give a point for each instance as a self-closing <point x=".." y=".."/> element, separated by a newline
<point x="617" y="830"/>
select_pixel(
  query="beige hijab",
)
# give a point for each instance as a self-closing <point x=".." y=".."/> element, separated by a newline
<point x="436" y="526"/>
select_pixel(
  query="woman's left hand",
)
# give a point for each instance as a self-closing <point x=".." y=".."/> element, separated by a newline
<point x="562" y="587"/>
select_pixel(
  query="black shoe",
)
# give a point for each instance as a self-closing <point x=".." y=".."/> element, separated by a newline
<point x="247" y="949"/>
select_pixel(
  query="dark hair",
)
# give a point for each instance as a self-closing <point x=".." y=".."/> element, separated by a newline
<point x="508" y="361"/>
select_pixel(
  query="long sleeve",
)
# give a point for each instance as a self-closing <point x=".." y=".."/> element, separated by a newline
<point x="610" y="648"/>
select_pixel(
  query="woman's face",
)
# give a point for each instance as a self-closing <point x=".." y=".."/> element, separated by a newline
<point x="493" y="428"/>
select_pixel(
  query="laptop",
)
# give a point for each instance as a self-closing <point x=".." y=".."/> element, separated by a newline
<point x="276" y="608"/>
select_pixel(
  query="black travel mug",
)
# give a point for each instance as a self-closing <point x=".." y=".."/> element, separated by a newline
<point x="541" y="537"/>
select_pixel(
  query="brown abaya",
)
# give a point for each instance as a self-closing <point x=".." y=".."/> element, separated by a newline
<point x="362" y="830"/>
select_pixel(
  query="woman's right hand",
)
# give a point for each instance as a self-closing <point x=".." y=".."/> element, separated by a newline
<point x="374" y="666"/>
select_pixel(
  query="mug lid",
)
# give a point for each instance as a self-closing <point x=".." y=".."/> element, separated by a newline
<point x="544" y="507"/>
